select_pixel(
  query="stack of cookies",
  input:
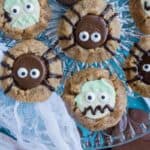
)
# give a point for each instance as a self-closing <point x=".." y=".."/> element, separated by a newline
<point x="88" y="32"/>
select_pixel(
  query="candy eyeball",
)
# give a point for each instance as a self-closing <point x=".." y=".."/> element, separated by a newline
<point x="84" y="36"/>
<point x="22" y="73"/>
<point x="103" y="97"/>
<point x="96" y="37"/>
<point x="29" y="7"/>
<point x="15" y="10"/>
<point x="90" y="97"/>
<point x="35" y="73"/>
<point x="146" y="67"/>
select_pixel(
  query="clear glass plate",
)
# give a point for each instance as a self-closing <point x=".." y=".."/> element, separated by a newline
<point x="22" y="114"/>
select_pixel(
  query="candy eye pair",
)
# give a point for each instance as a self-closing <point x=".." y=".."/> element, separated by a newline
<point x="146" y="67"/>
<point x="84" y="36"/>
<point x="28" y="8"/>
<point x="23" y="73"/>
<point x="102" y="97"/>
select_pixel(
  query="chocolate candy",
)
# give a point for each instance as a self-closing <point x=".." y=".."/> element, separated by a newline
<point x="29" y="71"/>
<point x="68" y="2"/>
<point x="144" y="68"/>
<point x="91" y="32"/>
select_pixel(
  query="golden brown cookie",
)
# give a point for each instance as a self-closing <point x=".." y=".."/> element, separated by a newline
<point x="140" y="11"/>
<point x="23" y="19"/>
<point x="30" y="71"/>
<point x="137" y="67"/>
<point x="95" y="98"/>
<point x="89" y="31"/>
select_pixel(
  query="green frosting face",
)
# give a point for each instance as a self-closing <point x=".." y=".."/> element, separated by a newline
<point x="23" y="13"/>
<point x="96" y="99"/>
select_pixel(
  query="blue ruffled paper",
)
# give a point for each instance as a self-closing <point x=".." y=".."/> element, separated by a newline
<point x="31" y="123"/>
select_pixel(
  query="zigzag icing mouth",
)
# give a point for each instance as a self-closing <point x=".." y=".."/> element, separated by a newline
<point x="97" y="108"/>
<point x="147" y="6"/>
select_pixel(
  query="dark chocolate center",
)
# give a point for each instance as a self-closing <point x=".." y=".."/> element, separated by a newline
<point x="144" y="68"/>
<point x="91" y="31"/>
<point x="68" y="2"/>
<point x="29" y="71"/>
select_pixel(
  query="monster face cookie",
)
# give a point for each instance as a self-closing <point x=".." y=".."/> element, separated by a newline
<point x="140" y="11"/>
<point x="30" y="72"/>
<point x="137" y="67"/>
<point x="24" y="19"/>
<point x="89" y="31"/>
<point x="95" y="98"/>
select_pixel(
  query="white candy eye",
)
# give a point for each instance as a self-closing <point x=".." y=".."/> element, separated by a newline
<point x="22" y="73"/>
<point x="90" y="97"/>
<point x="35" y="73"/>
<point x="103" y="97"/>
<point x="15" y="10"/>
<point x="84" y="36"/>
<point x="29" y="7"/>
<point x="146" y="67"/>
<point x="96" y="37"/>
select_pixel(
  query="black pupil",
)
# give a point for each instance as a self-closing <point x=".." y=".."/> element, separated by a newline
<point x="89" y="97"/>
<point x="28" y="6"/>
<point x="33" y="73"/>
<point x="96" y="36"/>
<point x="103" y="97"/>
<point x="146" y="66"/>
<point x="15" y="10"/>
<point x="23" y="73"/>
<point x="84" y="36"/>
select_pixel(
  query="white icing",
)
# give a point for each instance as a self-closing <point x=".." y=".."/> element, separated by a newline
<point x="35" y="73"/>
<point x="15" y="10"/>
<point x="146" y="67"/>
<point x="84" y="36"/>
<point x="29" y="7"/>
<point x="96" y="37"/>
<point x="147" y="12"/>
<point x="90" y="97"/>
<point x="104" y="97"/>
<point x="22" y="72"/>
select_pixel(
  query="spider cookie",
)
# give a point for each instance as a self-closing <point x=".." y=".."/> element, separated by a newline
<point x="89" y="31"/>
<point x="24" y="19"/>
<point x="95" y="98"/>
<point x="137" y="67"/>
<point x="140" y="11"/>
<point x="30" y="71"/>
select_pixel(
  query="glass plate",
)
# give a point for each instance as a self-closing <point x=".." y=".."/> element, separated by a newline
<point x="25" y="116"/>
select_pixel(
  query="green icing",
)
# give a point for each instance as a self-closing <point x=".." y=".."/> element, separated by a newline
<point x="24" y="17"/>
<point x="96" y="89"/>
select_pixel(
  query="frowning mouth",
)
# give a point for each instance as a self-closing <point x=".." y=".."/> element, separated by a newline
<point x="146" y="6"/>
<point x="7" y="16"/>
<point x="97" y="108"/>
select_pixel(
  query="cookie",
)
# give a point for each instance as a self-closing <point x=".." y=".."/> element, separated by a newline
<point x="21" y="19"/>
<point x="140" y="11"/>
<point x="68" y="2"/>
<point x="137" y="67"/>
<point x="95" y="98"/>
<point x="30" y="72"/>
<point x="89" y="31"/>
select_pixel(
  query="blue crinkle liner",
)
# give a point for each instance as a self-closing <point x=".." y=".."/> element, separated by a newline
<point x="25" y="115"/>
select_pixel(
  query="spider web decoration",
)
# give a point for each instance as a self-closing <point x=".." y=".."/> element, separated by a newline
<point x="24" y="118"/>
